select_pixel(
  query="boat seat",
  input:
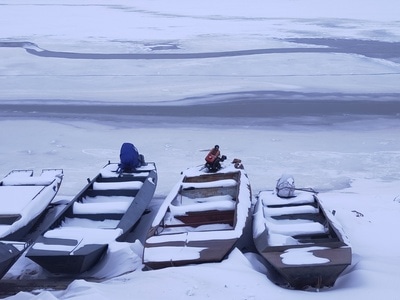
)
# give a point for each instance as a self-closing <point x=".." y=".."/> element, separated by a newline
<point x="126" y="185"/>
<point x="29" y="181"/>
<point x="95" y="222"/>
<point x="203" y="219"/>
<point x="96" y="208"/>
<point x="209" y="184"/>
<point x="111" y="171"/>
<point x="24" y="180"/>
<point x="71" y="238"/>
<point x="223" y="205"/>
<point x="271" y="199"/>
<point x="15" y="175"/>
<point x="295" y="228"/>
<point x="316" y="238"/>
<point x="183" y="228"/>
<point x="24" y="177"/>
<point x="184" y="200"/>
<point x="9" y="219"/>
<point x="302" y="209"/>
<point x="20" y="246"/>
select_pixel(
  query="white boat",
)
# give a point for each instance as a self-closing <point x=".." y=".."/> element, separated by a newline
<point x="24" y="199"/>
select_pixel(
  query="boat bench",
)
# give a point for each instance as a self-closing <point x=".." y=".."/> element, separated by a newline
<point x="296" y="228"/>
<point x="24" y="177"/>
<point x="214" y="203"/>
<point x="126" y="185"/>
<point x="95" y="208"/>
<point x="9" y="219"/>
<point x="302" y="209"/>
<point x="310" y="217"/>
<point x="70" y="238"/>
<point x="102" y="207"/>
<point x="209" y="184"/>
<point x="125" y="188"/>
<point x="305" y="212"/>
<point x="272" y="200"/>
<point x="111" y="171"/>
<point x="211" y="212"/>
<point x="196" y="219"/>
<point x="316" y="238"/>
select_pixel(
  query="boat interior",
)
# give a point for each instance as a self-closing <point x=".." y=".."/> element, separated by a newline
<point x="206" y="202"/>
<point x="99" y="210"/>
<point x="303" y="219"/>
<point x="106" y="198"/>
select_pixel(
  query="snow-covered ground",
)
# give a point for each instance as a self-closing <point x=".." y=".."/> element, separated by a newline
<point x="179" y="53"/>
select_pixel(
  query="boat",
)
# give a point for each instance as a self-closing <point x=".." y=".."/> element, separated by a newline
<point x="201" y="219"/>
<point x="10" y="251"/>
<point x="105" y="211"/>
<point x="24" y="200"/>
<point x="302" y="241"/>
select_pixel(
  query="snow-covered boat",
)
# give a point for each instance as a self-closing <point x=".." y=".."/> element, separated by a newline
<point x="301" y="240"/>
<point x="106" y="210"/>
<point x="24" y="199"/>
<point x="10" y="251"/>
<point x="201" y="219"/>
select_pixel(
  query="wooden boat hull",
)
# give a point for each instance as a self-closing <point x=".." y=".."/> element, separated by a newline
<point x="201" y="220"/>
<point x="211" y="251"/>
<point x="105" y="211"/>
<point x="307" y="248"/>
<point x="305" y="276"/>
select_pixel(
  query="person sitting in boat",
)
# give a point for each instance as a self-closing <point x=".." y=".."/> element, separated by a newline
<point x="130" y="158"/>
<point x="214" y="159"/>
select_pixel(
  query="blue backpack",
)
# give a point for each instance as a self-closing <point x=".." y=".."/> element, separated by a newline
<point x="129" y="157"/>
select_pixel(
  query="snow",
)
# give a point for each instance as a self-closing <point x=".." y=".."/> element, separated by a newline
<point x="169" y="253"/>
<point x="25" y="196"/>
<point x="24" y="177"/>
<point x="302" y="256"/>
<point x="102" y="204"/>
<point x="177" y="210"/>
<point x="21" y="196"/>
<point x="93" y="208"/>
<point x="296" y="227"/>
<point x="225" y="183"/>
<point x="132" y="185"/>
<point x="82" y="237"/>
<point x="304" y="209"/>
<point x="352" y="160"/>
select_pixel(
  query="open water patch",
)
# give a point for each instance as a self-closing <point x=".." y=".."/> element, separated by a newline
<point x="368" y="48"/>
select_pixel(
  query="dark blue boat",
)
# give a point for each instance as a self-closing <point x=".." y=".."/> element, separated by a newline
<point x="105" y="211"/>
